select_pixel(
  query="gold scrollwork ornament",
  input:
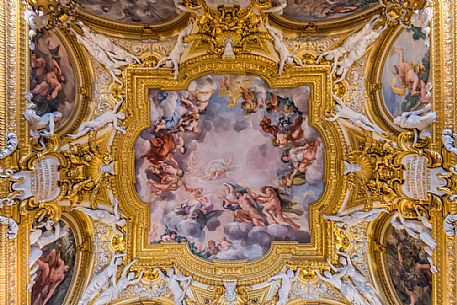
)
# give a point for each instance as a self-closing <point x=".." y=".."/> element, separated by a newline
<point x="384" y="169"/>
<point x="58" y="11"/>
<point x="400" y="11"/>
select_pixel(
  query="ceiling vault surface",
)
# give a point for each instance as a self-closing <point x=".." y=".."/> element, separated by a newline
<point x="228" y="152"/>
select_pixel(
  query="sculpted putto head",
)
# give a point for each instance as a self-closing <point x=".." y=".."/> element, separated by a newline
<point x="121" y="115"/>
<point x="230" y="291"/>
<point x="30" y="16"/>
<point x="122" y="222"/>
<point x="131" y="60"/>
<point x="343" y="261"/>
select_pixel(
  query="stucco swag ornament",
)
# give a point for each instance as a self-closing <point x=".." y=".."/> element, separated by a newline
<point x="450" y="222"/>
<point x="448" y="138"/>
<point x="11" y="145"/>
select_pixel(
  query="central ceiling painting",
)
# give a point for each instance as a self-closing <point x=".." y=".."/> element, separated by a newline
<point x="229" y="166"/>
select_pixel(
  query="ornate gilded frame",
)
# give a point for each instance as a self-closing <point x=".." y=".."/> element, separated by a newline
<point x="139" y="80"/>
<point x="84" y="80"/>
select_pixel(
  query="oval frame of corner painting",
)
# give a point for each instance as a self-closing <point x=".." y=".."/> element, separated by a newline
<point x="83" y="259"/>
<point x="382" y="229"/>
<point x="376" y="77"/>
<point x="83" y="79"/>
<point x="323" y="239"/>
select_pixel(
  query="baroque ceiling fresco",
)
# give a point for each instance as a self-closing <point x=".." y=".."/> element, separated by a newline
<point x="228" y="152"/>
<point x="146" y="11"/>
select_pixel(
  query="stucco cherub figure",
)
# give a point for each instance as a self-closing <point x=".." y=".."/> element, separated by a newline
<point x="101" y="280"/>
<point x="173" y="60"/>
<point x="356" y="118"/>
<point x="40" y="126"/>
<point x="118" y="286"/>
<point x="285" y="57"/>
<point x="360" y="282"/>
<point x="344" y="285"/>
<point x="359" y="216"/>
<point x="178" y="284"/>
<point x="285" y="281"/>
<point x="109" y="117"/>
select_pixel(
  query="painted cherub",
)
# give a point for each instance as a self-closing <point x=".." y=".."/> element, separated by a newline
<point x="408" y="73"/>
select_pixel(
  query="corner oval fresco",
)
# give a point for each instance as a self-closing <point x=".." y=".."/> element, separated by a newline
<point x="229" y="166"/>
<point x="406" y="79"/>
<point x="408" y="268"/>
<point x="53" y="80"/>
<point x="316" y="10"/>
<point x="128" y="11"/>
<point x="52" y="265"/>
